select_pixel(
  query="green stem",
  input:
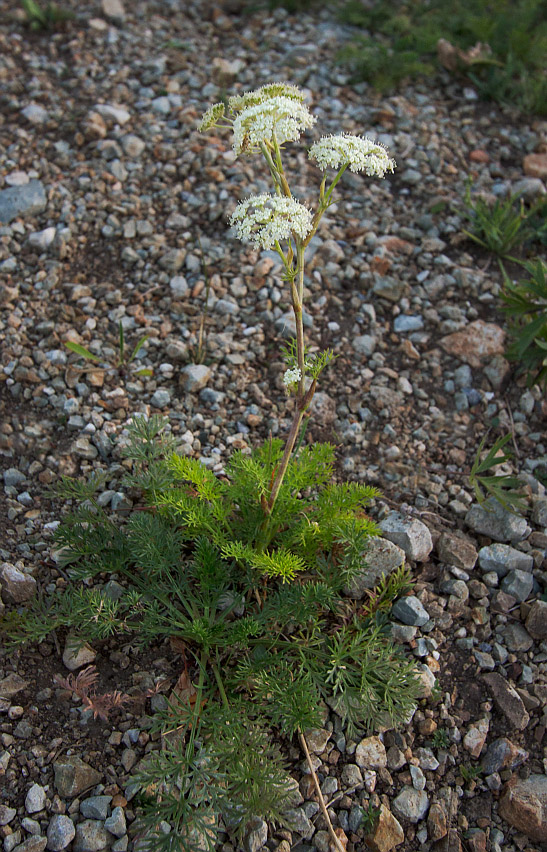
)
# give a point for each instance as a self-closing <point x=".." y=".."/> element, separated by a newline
<point x="220" y="685"/>
<point x="271" y="165"/>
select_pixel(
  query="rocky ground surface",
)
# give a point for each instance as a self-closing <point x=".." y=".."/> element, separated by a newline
<point x="114" y="209"/>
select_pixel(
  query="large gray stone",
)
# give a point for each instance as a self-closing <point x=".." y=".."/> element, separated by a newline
<point x="411" y="804"/>
<point x="498" y="523"/>
<point x="524" y="806"/>
<point x="371" y="754"/>
<point x="17" y="586"/>
<point x="194" y="377"/>
<point x="410" y="610"/>
<point x="380" y="557"/>
<point x="91" y="836"/>
<point x="503" y="558"/>
<point x="60" y="832"/>
<point x="518" y="584"/>
<point x="35" y="799"/>
<point x="95" y="807"/>
<point x="256" y="835"/>
<point x="507" y="700"/>
<point x="73" y="776"/>
<point x="25" y="200"/>
<point x="408" y="533"/>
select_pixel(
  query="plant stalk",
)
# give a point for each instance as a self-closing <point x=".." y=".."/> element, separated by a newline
<point x="335" y="839"/>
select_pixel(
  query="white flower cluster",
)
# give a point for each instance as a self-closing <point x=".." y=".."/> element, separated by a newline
<point x="284" y="115"/>
<point x="210" y="118"/>
<point x="264" y="219"/>
<point x="291" y="377"/>
<point x="237" y="103"/>
<point x="359" y="153"/>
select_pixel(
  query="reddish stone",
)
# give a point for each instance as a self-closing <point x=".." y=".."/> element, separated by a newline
<point x="479" y="156"/>
<point x="535" y="165"/>
<point x="524" y="806"/>
<point x="477" y="342"/>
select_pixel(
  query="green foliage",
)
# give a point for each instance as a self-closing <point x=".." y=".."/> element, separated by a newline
<point x="501" y="487"/>
<point x="525" y="303"/>
<point x="399" y="40"/>
<point x="254" y="599"/>
<point x="440" y="738"/>
<point x="397" y="584"/>
<point x="45" y="18"/>
<point x="122" y="361"/>
<point x="505" y="226"/>
<point x="369" y="818"/>
<point x="469" y="773"/>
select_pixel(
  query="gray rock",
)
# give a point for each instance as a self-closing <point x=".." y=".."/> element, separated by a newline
<point x="35" y="113"/>
<point x="516" y="638"/>
<point x="17" y="586"/>
<point x="410" y="610"/>
<point x="298" y="821"/>
<point x="404" y="323"/>
<point x="523" y="805"/>
<point x="32" y="826"/>
<point x="161" y="398"/>
<point x="529" y="188"/>
<point x="351" y="775"/>
<point x="42" y="239"/>
<point x="121" y="844"/>
<point x="519" y="584"/>
<point x="502" y="754"/>
<point x="115" y="823"/>
<point x="388" y="288"/>
<point x="73" y="776"/>
<point x="179" y="286"/>
<point x="113" y="9"/>
<point x="457" y="550"/>
<point x="60" y="832"/>
<point x="13" y="477"/>
<point x="256" y="835"/>
<point x="380" y="557"/>
<point x="32" y="844"/>
<point x="496" y="522"/>
<point x="408" y="533"/>
<point x="26" y="200"/>
<point x="162" y="105"/>
<point x="411" y="804"/>
<point x="113" y="112"/>
<point x="133" y="145"/>
<point x="76" y="655"/>
<point x="317" y="740"/>
<point x="7" y="814"/>
<point x="194" y="377"/>
<point x="118" y="170"/>
<point x="507" y="700"/>
<point x="503" y="558"/>
<point x="365" y="344"/>
<point x="91" y="836"/>
<point x="35" y="799"/>
<point x="95" y="807"/>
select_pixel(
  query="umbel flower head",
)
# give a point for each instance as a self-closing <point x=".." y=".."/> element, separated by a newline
<point x="210" y="118"/>
<point x="265" y="219"/>
<point x="237" y="103"/>
<point x="291" y="377"/>
<point x="357" y="152"/>
<point x="282" y="115"/>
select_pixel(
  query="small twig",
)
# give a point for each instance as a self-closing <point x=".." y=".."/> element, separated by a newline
<point x="322" y="805"/>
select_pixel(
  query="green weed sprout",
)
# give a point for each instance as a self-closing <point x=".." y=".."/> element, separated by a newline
<point x="123" y="360"/>
<point x="501" y="487"/>
<point x="47" y="18"/>
<point x="525" y="303"/>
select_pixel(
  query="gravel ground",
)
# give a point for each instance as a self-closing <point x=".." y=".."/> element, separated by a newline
<point x="113" y="208"/>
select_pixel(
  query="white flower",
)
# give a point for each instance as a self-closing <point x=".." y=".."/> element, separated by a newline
<point x="359" y="153"/>
<point x="292" y="377"/>
<point x="257" y="123"/>
<point x="264" y="219"/>
<point x="237" y="103"/>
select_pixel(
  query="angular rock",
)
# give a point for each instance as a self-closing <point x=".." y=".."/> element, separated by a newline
<point x="115" y="823"/>
<point x="323" y="407"/>
<point x="536" y="622"/>
<point x="502" y="754"/>
<point x="516" y="638"/>
<point x="496" y="522"/>
<point x="518" y="584"/>
<point x="411" y="804"/>
<point x="113" y="9"/>
<point x="91" y="836"/>
<point x="113" y="112"/>
<point x="371" y="753"/>
<point x="11" y="685"/>
<point x="36" y="843"/>
<point x="95" y="807"/>
<point x="457" y="550"/>
<point x="7" y="814"/>
<point x="25" y="200"/>
<point x="60" y="832"/>
<point x="475" y="738"/>
<point x="380" y="557"/>
<point x="35" y="799"/>
<point x="365" y="344"/>
<point x="317" y="740"/>
<point x="437" y="822"/>
<point x="408" y="533"/>
<point x="476" y="343"/>
<point x="256" y="835"/>
<point x="535" y="165"/>
<point x="194" y="377"/>
<point x="73" y="776"/>
<point x="507" y="700"/>
<point x="17" y="586"/>
<point x="410" y="610"/>
<point x="503" y="558"/>
<point x="298" y="821"/>
<point x="386" y="834"/>
<point x="523" y="805"/>
<point x="76" y="655"/>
